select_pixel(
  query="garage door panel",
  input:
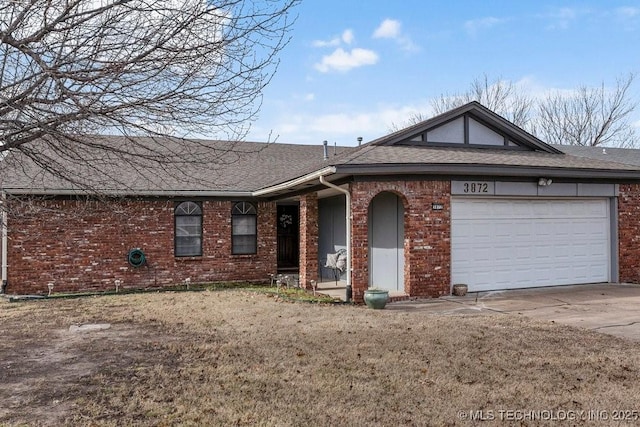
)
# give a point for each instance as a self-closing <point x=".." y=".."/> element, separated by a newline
<point x="517" y="243"/>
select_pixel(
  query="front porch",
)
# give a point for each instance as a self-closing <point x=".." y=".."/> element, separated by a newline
<point x="338" y="290"/>
<point x="396" y="243"/>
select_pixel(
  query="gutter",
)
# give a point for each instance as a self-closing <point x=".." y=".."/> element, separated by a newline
<point x="5" y="245"/>
<point x="455" y="169"/>
<point x="347" y="195"/>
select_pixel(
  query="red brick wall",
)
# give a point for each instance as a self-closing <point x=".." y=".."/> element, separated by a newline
<point x="427" y="240"/>
<point x="629" y="233"/>
<point x="80" y="245"/>
<point x="308" y="239"/>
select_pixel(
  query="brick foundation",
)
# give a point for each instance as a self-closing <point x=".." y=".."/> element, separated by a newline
<point x="82" y="245"/>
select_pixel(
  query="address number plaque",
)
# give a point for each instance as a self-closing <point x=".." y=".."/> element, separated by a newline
<point x="479" y="188"/>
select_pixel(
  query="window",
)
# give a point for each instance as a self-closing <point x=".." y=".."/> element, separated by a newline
<point x="244" y="229"/>
<point x="188" y="234"/>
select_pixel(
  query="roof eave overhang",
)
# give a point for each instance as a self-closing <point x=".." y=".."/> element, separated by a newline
<point x="487" y="170"/>
<point x="295" y="184"/>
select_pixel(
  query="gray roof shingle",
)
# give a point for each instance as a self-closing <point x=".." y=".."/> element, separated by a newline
<point x="484" y="156"/>
<point x="223" y="167"/>
<point x="200" y="166"/>
<point x="629" y="156"/>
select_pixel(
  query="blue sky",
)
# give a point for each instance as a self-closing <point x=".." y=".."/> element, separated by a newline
<point x="354" y="68"/>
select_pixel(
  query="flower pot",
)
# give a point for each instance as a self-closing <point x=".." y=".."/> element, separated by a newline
<point x="460" y="290"/>
<point x="376" y="298"/>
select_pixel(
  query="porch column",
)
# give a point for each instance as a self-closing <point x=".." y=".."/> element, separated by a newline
<point x="308" y="239"/>
<point x="360" y="197"/>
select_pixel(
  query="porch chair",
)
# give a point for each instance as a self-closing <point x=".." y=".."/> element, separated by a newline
<point x="337" y="262"/>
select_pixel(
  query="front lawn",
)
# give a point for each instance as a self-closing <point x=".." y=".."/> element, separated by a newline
<point x="237" y="357"/>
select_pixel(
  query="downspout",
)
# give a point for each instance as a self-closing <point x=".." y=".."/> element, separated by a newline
<point x="3" y="220"/>
<point x="348" y="220"/>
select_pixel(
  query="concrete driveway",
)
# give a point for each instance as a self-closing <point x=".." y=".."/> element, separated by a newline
<point x="609" y="308"/>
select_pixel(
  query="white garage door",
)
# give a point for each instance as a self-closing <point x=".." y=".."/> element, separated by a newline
<point x="519" y="243"/>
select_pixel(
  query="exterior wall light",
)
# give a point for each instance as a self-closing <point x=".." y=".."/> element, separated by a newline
<point x="544" y="182"/>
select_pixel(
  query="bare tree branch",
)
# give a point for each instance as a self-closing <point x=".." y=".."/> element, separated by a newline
<point x="180" y="68"/>
<point x="499" y="95"/>
<point x="585" y="116"/>
<point x="589" y="116"/>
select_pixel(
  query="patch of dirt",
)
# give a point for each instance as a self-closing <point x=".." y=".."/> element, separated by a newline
<point x="241" y="358"/>
<point x="42" y="372"/>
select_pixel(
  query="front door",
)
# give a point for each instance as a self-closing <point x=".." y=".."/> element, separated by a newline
<point x="288" y="232"/>
<point x="386" y="242"/>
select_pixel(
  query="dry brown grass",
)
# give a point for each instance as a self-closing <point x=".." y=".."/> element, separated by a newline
<point x="240" y="358"/>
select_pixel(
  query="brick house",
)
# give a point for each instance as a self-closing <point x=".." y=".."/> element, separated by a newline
<point x="464" y="197"/>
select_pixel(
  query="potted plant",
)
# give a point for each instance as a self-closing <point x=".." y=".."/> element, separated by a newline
<point x="460" y="289"/>
<point x="376" y="298"/>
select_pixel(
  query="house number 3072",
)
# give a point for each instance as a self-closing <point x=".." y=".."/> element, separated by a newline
<point x="475" y="187"/>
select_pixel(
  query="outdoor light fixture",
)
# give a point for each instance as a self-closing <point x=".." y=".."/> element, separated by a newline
<point x="544" y="182"/>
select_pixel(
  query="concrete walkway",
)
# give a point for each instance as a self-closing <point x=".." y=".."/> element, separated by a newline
<point x="609" y="308"/>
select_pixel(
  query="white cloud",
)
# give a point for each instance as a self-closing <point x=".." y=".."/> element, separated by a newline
<point x="346" y="37"/>
<point x="326" y="43"/>
<point x="345" y="127"/>
<point x="627" y="17"/>
<point x="341" y="60"/>
<point x="627" y="12"/>
<point x="563" y="18"/>
<point x="474" y="25"/>
<point x="388" y="29"/>
<point x="539" y="90"/>
<point x="296" y="97"/>
<point x="392" y="29"/>
<point x="376" y="123"/>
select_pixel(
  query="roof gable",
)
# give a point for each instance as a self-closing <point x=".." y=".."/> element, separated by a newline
<point x="471" y="125"/>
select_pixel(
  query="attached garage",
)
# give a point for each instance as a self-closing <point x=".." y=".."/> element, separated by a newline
<point x="510" y="243"/>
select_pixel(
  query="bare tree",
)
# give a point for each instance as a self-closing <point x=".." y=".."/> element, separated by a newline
<point x="588" y="116"/>
<point x="184" y="68"/>
<point x="499" y="95"/>
<point x="502" y="96"/>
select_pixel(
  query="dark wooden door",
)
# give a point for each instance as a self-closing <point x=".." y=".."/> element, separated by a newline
<point x="288" y="231"/>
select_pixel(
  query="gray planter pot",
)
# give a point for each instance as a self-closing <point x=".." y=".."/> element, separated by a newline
<point x="376" y="298"/>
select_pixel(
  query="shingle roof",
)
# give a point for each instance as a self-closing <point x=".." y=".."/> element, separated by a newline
<point x="630" y="156"/>
<point x="207" y="166"/>
<point x="244" y="167"/>
<point x="484" y="156"/>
